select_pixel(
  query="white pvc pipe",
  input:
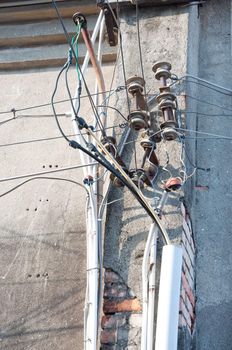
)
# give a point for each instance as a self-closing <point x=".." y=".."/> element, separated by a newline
<point x="169" y="298"/>
<point x="145" y="286"/>
<point x="151" y="292"/>
<point x="92" y="275"/>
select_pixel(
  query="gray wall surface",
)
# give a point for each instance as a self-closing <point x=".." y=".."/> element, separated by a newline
<point x="42" y="224"/>
<point x="213" y="204"/>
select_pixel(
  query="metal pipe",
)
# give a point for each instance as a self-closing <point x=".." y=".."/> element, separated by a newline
<point x="169" y="298"/>
<point x="93" y="39"/>
<point x="96" y="66"/>
<point x="84" y="158"/>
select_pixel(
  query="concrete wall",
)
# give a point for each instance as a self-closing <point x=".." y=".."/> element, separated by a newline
<point x="213" y="188"/>
<point x="42" y="229"/>
<point x="170" y="34"/>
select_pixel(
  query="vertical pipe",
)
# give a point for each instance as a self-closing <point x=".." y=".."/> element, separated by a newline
<point x="151" y="292"/>
<point x="145" y="287"/>
<point x="84" y="159"/>
<point x="169" y="298"/>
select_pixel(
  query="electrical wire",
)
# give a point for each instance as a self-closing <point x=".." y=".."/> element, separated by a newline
<point x="122" y="126"/>
<point x="206" y="114"/>
<point x="115" y="109"/>
<point x="123" y="69"/>
<point x="204" y="83"/>
<point x="42" y="178"/>
<point x="15" y="110"/>
<point x="45" y="172"/>
<point x="94" y="109"/>
<point x="205" y="133"/>
<point x="208" y="103"/>
<point x="139" y="44"/>
<point x="130" y="185"/>
<point x="52" y="100"/>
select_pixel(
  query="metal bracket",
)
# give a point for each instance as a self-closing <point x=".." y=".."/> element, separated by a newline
<point x="111" y="24"/>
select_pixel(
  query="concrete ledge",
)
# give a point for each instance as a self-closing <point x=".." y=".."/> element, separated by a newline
<point x="45" y="56"/>
<point x="46" y="11"/>
<point x="39" y="33"/>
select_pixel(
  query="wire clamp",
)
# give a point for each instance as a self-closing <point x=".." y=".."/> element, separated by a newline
<point x="88" y="180"/>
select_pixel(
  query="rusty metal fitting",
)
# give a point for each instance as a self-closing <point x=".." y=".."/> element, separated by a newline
<point x="109" y="142"/>
<point x="79" y="18"/>
<point x="166" y="100"/>
<point x="138" y="176"/>
<point x="173" y="184"/>
<point x="151" y="171"/>
<point x="135" y="84"/>
<point x="138" y="120"/>
<point x="162" y="70"/>
<point x="148" y="140"/>
<point x="169" y="133"/>
<point x="115" y="181"/>
<point x="139" y="116"/>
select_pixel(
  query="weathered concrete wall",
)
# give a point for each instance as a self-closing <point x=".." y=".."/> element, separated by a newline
<point x="213" y="193"/>
<point x="165" y="35"/>
<point x="42" y="229"/>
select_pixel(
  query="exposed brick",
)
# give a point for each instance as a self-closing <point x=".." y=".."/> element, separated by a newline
<point x="182" y="322"/>
<point x="128" y="305"/>
<point x="188" y="246"/>
<point x="111" y="276"/>
<point x="188" y="234"/>
<point x="184" y="312"/>
<point x="188" y="268"/>
<point x="119" y="290"/>
<point x="113" y="321"/>
<point x="189" y="307"/>
<point x="189" y="279"/>
<point x="108" y="336"/>
<point x="187" y="289"/>
<point x="187" y="260"/>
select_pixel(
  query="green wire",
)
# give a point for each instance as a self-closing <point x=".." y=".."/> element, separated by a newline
<point x="75" y="44"/>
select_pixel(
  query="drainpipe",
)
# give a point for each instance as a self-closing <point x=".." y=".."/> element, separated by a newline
<point x="169" y="298"/>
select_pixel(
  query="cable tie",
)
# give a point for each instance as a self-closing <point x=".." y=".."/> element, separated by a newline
<point x="73" y="144"/>
<point x="70" y="56"/>
<point x="82" y="123"/>
<point x="123" y="125"/>
<point x="88" y="180"/>
<point x="13" y="110"/>
<point x="120" y="88"/>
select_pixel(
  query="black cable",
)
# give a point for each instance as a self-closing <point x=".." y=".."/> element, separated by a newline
<point x="52" y="101"/>
<point x="67" y="87"/>
<point x="43" y="178"/>
<point x="139" y="44"/>
<point x="115" y="109"/>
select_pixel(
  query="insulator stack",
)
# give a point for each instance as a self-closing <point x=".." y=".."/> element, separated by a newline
<point x="139" y="116"/>
<point x="166" y="100"/>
